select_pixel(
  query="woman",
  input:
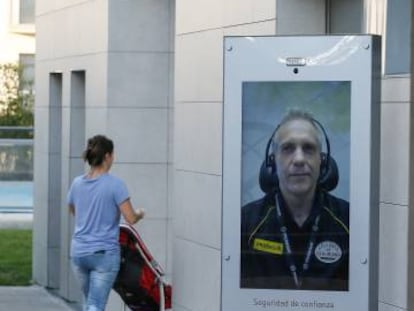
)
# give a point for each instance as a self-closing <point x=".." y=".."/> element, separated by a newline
<point x="97" y="199"/>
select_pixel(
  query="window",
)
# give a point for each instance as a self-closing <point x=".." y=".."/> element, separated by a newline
<point x="26" y="12"/>
<point x="27" y="62"/>
<point x="22" y="16"/>
<point x="27" y="77"/>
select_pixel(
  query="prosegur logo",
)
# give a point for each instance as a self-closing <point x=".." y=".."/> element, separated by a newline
<point x="328" y="252"/>
<point x="268" y="246"/>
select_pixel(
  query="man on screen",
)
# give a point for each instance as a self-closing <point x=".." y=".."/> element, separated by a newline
<point x="296" y="236"/>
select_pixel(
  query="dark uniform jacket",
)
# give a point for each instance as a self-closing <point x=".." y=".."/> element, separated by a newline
<point x="265" y="262"/>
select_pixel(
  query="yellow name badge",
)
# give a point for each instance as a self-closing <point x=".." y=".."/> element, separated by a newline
<point x="268" y="246"/>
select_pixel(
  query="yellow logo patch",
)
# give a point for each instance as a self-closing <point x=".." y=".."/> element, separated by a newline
<point x="268" y="246"/>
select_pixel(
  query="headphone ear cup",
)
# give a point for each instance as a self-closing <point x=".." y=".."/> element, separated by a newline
<point x="329" y="176"/>
<point x="324" y="164"/>
<point x="268" y="179"/>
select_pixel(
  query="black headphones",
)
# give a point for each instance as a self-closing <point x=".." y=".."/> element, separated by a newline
<point x="328" y="175"/>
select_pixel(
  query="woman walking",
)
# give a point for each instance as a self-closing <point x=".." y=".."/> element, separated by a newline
<point x="97" y="199"/>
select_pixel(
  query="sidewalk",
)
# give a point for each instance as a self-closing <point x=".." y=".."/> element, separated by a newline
<point x="33" y="298"/>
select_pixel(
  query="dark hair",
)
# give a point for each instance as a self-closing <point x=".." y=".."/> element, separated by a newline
<point x="98" y="146"/>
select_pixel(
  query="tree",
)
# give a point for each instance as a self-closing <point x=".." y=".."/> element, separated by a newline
<point x="16" y="97"/>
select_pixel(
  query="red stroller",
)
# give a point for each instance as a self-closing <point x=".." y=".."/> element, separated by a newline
<point x="140" y="279"/>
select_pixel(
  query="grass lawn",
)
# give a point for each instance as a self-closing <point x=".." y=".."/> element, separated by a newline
<point x="15" y="257"/>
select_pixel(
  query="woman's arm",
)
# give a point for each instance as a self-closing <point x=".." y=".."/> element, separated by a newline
<point x="130" y="215"/>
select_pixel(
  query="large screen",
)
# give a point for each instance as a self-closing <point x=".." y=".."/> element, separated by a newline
<point x="295" y="143"/>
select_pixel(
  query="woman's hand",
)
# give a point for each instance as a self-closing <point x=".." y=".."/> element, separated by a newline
<point x="130" y="215"/>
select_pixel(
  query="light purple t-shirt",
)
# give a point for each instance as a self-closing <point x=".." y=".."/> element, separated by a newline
<point x="97" y="214"/>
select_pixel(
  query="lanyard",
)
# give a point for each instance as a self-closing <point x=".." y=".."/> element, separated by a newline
<point x="289" y="258"/>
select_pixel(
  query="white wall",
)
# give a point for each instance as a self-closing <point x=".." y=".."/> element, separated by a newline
<point x="61" y="50"/>
<point x="394" y="197"/>
<point x="394" y="173"/>
<point x="124" y="49"/>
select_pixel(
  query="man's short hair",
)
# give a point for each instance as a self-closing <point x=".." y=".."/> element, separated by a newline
<point x="297" y="114"/>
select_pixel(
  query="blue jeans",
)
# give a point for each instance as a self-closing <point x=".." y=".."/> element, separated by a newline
<point x="97" y="274"/>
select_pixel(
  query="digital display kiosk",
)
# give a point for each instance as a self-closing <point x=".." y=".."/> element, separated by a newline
<point x="301" y="173"/>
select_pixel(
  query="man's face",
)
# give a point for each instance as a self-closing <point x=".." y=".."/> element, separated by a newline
<point x="297" y="157"/>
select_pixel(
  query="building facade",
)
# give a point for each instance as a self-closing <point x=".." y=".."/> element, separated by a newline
<point x="17" y="31"/>
<point x="149" y="74"/>
<point x="17" y="36"/>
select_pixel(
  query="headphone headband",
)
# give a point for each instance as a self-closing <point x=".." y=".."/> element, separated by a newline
<point x="311" y="120"/>
<point x="328" y="177"/>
